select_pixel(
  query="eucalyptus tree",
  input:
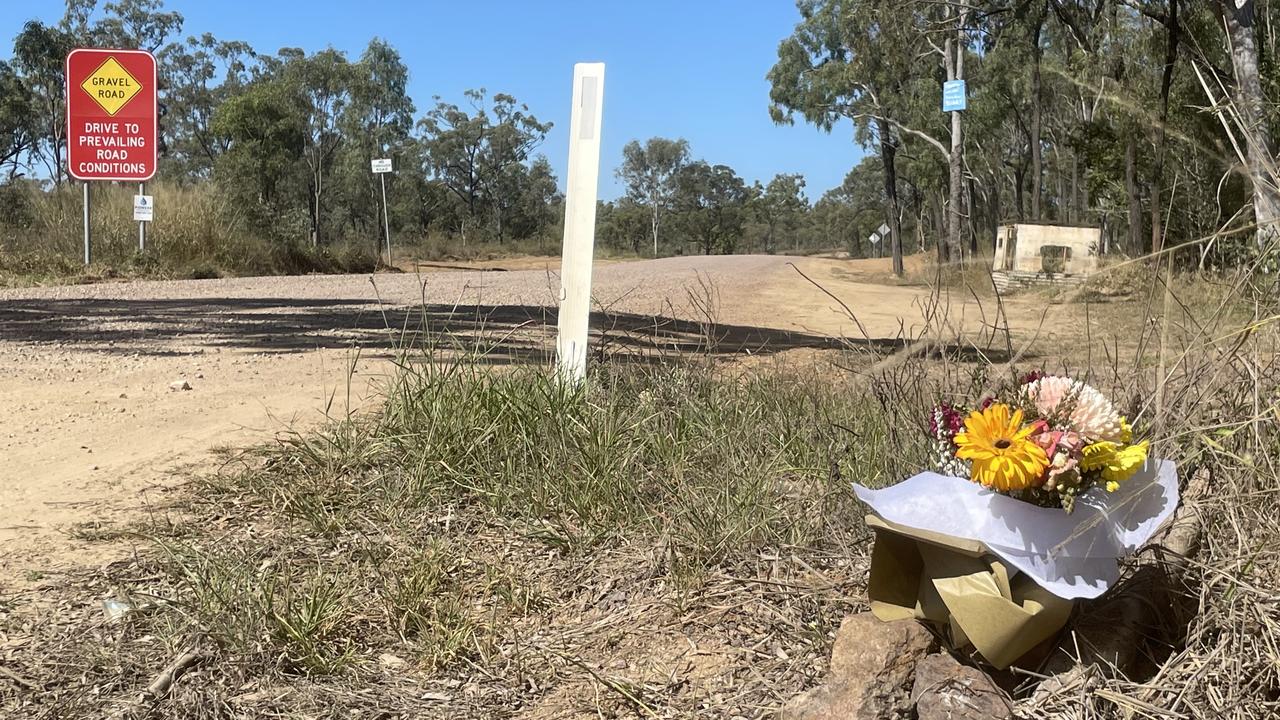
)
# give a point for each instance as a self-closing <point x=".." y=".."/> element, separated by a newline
<point x="376" y="122"/>
<point x="1240" y="21"/>
<point x="263" y="133"/>
<point x="16" y="129"/>
<point x="780" y="204"/>
<point x="322" y="84"/>
<point x="198" y="77"/>
<point x="474" y="152"/>
<point x="136" y="24"/>
<point x="39" y="52"/>
<point x="505" y="160"/>
<point x="712" y="203"/>
<point x="858" y="60"/>
<point x="651" y="172"/>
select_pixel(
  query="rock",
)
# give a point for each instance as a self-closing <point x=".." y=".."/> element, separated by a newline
<point x="872" y="664"/>
<point x="179" y="386"/>
<point x="946" y="690"/>
<point x="390" y="662"/>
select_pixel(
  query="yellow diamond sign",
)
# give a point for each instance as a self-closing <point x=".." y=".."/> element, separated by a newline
<point x="111" y="86"/>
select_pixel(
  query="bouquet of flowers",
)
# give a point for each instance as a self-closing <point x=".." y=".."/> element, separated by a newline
<point x="1045" y="441"/>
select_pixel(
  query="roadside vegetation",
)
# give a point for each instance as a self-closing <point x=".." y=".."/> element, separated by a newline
<point x="1075" y="115"/>
<point x="676" y="538"/>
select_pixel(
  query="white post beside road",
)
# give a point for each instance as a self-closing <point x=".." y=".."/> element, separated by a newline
<point x="380" y="167"/>
<point x="580" y="221"/>
<point x="386" y="218"/>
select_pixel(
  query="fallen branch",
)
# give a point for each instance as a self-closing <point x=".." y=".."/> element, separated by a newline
<point x="164" y="681"/>
<point x="18" y="679"/>
<point x="191" y="655"/>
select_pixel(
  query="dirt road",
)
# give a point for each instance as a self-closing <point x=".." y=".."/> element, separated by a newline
<point x="91" y="428"/>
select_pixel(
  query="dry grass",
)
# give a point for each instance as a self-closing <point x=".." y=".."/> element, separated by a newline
<point x="197" y="233"/>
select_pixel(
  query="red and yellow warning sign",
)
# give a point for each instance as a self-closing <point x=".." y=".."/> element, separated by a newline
<point x="111" y="114"/>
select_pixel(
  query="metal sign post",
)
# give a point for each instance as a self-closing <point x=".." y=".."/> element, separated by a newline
<point x="580" y="221"/>
<point x="88" y="256"/>
<point x="142" y="224"/>
<point x="144" y="208"/>
<point x="381" y="167"/>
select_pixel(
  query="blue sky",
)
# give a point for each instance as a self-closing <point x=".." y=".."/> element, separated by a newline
<point x="693" y="69"/>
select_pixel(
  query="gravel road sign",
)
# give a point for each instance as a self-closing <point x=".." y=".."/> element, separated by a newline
<point x="111" y="114"/>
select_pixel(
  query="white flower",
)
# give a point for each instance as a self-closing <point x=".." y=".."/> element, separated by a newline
<point x="1091" y="413"/>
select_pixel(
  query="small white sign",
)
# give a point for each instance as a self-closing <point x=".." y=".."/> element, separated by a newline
<point x="382" y="165"/>
<point x="874" y="239"/>
<point x="883" y="230"/>
<point x="143" y="208"/>
<point x="953" y="96"/>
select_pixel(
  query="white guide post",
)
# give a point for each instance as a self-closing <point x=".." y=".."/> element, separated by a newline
<point x="580" y="220"/>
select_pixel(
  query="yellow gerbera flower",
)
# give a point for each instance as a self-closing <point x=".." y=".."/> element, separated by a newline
<point x="1002" y="457"/>
<point x="1117" y="462"/>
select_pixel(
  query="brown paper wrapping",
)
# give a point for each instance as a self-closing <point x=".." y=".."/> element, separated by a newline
<point x="963" y="590"/>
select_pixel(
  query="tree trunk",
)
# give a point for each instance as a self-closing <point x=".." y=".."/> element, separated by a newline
<point x="993" y="217"/>
<point x="317" y="186"/>
<point x="1086" y="202"/>
<point x="1239" y="18"/>
<point x="955" y="71"/>
<point x="973" y="230"/>
<point x="1037" y="158"/>
<point x="1131" y="191"/>
<point x="1019" y="182"/>
<point x="1074" y="212"/>
<point x="1059" y="191"/>
<point x="940" y="226"/>
<point x="888" y="153"/>
<point x="1174" y="31"/>
<point x="653" y="221"/>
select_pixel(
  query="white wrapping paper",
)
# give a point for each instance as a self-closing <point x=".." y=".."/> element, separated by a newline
<point x="1071" y="555"/>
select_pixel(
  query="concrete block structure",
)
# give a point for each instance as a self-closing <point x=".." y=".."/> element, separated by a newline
<point x="1028" y="254"/>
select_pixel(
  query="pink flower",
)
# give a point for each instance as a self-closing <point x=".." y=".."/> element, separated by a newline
<point x="1054" y="441"/>
<point x="1076" y="404"/>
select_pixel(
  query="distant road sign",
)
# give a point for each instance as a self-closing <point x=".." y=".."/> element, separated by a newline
<point x="111" y="114"/>
<point x="953" y="96"/>
<point x="883" y="230"/>
<point x="382" y="165"/>
<point x="874" y="238"/>
<point x="143" y="208"/>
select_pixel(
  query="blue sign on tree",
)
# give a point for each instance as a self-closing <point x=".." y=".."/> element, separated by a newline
<point x="953" y="96"/>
